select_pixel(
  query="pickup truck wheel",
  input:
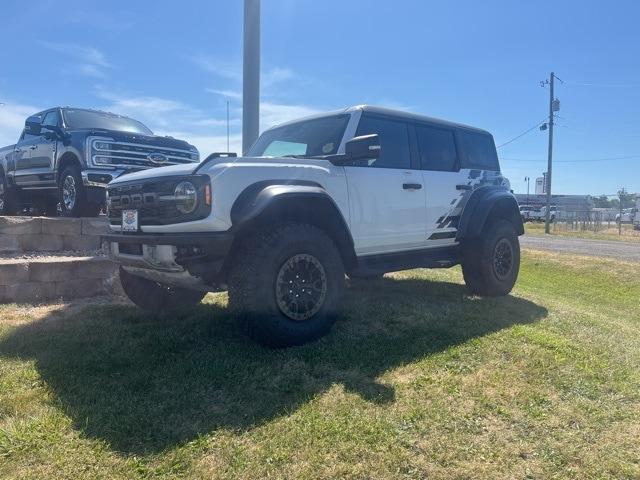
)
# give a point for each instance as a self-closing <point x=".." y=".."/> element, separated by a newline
<point x="156" y="297"/>
<point x="72" y="194"/>
<point x="9" y="204"/>
<point x="490" y="264"/>
<point x="287" y="283"/>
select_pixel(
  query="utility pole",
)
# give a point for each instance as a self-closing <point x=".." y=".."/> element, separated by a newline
<point x="547" y="219"/>
<point x="526" y="179"/>
<point x="251" y="74"/>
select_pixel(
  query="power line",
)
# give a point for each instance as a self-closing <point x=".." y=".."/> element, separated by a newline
<point x="537" y="125"/>
<point x="604" y="85"/>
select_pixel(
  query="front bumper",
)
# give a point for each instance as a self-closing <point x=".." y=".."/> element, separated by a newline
<point x="96" y="180"/>
<point x="100" y="177"/>
<point x="190" y="260"/>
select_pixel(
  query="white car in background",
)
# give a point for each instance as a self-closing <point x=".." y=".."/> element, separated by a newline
<point x="628" y="215"/>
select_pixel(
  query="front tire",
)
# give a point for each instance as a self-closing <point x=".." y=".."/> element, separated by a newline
<point x="72" y="195"/>
<point x="491" y="263"/>
<point x="155" y="297"/>
<point x="287" y="283"/>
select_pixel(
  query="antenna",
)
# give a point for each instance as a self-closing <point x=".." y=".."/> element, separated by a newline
<point x="227" y="125"/>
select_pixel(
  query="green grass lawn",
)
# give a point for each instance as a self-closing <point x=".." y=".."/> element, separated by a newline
<point x="608" y="232"/>
<point x="417" y="380"/>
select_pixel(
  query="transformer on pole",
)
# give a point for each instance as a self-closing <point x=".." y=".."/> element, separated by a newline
<point x="251" y="74"/>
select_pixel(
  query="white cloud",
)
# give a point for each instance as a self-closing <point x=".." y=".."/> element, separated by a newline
<point x="12" y="117"/>
<point x="91" y="61"/>
<point x="272" y="114"/>
<point x="208" y="144"/>
<point x="170" y="117"/>
<point x="220" y="68"/>
<point x="273" y="76"/>
<point x="231" y="94"/>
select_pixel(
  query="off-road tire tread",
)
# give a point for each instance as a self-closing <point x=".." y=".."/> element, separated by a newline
<point x="250" y="287"/>
<point x="156" y="298"/>
<point x="477" y="259"/>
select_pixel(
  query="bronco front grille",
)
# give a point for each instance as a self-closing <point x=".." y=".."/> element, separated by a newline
<point x="145" y="197"/>
<point x="128" y="154"/>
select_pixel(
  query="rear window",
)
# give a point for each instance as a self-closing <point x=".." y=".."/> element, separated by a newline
<point x="437" y="149"/>
<point x="479" y="151"/>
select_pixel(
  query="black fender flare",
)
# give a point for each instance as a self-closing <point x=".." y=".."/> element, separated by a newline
<point x="301" y="200"/>
<point x="482" y="202"/>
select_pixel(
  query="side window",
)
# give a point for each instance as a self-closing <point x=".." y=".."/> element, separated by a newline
<point x="437" y="148"/>
<point x="51" y="118"/>
<point x="394" y="142"/>
<point x="479" y="151"/>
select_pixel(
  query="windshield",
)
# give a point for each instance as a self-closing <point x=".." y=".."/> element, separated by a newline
<point x="102" y="120"/>
<point x="320" y="136"/>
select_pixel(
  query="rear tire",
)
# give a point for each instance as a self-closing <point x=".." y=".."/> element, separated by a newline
<point x="491" y="263"/>
<point x="9" y="204"/>
<point x="287" y="282"/>
<point x="155" y="297"/>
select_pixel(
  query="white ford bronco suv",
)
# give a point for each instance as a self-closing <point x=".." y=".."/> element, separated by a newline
<point x="362" y="191"/>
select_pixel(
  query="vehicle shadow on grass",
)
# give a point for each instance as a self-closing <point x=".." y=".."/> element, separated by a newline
<point x="143" y="384"/>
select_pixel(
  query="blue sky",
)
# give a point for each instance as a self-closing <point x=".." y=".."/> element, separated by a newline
<point x="173" y="65"/>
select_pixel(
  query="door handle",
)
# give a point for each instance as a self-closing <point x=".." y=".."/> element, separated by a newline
<point x="33" y="147"/>
<point x="18" y="150"/>
<point x="463" y="187"/>
<point x="412" y="186"/>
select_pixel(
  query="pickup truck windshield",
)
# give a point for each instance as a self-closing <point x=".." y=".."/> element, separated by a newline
<point x="309" y="138"/>
<point x="102" y="120"/>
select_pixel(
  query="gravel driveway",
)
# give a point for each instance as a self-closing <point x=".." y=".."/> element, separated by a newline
<point x="626" y="251"/>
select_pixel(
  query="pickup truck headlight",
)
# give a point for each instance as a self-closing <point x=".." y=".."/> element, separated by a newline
<point x="186" y="196"/>
<point x="102" y="145"/>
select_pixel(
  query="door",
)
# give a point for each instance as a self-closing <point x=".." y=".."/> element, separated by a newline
<point x="445" y="183"/>
<point x="43" y="155"/>
<point x="22" y="156"/>
<point x="386" y="195"/>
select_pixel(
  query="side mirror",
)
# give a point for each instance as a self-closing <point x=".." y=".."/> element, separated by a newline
<point x="33" y="125"/>
<point x="363" y="147"/>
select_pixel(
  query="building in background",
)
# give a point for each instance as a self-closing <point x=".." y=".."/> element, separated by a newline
<point x="563" y="202"/>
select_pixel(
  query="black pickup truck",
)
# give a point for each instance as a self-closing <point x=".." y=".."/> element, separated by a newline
<point x="66" y="156"/>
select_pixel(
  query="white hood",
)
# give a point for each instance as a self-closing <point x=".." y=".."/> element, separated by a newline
<point x="223" y="162"/>
<point x="171" y="170"/>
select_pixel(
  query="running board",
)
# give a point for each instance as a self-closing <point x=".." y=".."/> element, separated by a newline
<point x="440" y="257"/>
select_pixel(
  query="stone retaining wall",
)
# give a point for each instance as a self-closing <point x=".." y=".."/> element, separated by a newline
<point x="44" y="259"/>
<point x="41" y="234"/>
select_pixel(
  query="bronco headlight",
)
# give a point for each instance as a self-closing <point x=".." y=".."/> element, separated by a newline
<point x="186" y="196"/>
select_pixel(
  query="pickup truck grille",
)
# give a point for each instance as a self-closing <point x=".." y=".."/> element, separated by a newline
<point x="126" y="154"/>
<point x="145" y="197"/>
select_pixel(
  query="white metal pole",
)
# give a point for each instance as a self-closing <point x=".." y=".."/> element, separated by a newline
<point x="251" y="74"/>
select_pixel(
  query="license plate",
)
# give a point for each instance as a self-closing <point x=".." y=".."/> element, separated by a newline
<point x="130" y="220"/>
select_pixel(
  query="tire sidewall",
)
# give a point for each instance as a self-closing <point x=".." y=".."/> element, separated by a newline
<point x="4" y="207"/>
<point x="253" y="285"/>
<point x="77" y="209"/>
<point x="11" y="203"/>
<point x="498" y="231"/>
<point x="268" y="277"/>
<point x="154" y="297"/>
